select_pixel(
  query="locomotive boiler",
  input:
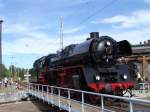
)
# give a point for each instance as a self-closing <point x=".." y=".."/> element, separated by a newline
<point x="90" y="66"/>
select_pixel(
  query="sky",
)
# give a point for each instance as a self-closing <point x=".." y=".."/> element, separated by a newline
<point x="31" y="28"/>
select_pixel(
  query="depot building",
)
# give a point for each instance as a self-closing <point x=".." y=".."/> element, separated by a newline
<point x="141" y="58"/>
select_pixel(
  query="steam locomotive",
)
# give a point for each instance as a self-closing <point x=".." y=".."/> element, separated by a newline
<point x="90" y="66"/>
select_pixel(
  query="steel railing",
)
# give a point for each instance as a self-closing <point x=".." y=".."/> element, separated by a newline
<point x="38" y="90"/>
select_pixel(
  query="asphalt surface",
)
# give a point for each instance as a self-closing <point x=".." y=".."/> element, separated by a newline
<point x="26" y="106"/>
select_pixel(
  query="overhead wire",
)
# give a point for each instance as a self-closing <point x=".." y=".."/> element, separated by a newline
<point x="92" y="15"/>
<point x="97" y="11"/>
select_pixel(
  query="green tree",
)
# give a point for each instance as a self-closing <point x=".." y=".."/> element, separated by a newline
<point x="17" y="72"/>
<point x="34" y="76"/>
<point x="32" y="72"/>
<point x="5" y="72"/>
<point x="12" y="69"/>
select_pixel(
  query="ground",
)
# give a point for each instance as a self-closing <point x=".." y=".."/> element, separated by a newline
<point x="25" y="106"/>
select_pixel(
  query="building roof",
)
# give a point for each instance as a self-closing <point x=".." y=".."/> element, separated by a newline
<point x="141" y="49"/>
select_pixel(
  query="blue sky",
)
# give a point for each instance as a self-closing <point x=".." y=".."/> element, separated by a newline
<point x="31" y="27"/>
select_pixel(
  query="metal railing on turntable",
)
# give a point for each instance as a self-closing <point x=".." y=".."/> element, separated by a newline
<point x="48" y="93"/>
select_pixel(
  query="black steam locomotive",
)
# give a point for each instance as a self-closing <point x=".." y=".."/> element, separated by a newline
<point x="91" y="66"/>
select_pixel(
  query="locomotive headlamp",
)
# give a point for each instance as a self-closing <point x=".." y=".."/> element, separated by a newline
<point x="125" y="77"/>
<point x="108" y="43"/>
<point x="98" y="77"/>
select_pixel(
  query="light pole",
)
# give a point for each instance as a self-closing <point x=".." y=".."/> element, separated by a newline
<point x="1" y="21"/>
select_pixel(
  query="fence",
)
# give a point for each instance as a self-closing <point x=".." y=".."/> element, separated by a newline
<point x="12" y="96"/>
<point x="43" y="92"/>
<point x="11" y="93"/>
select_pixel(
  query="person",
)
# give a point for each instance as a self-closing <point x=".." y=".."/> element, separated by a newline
<point x="0" y="84"/>
<point x="17" y="85"/>
<point x="5" y="82"/>
<point x="139" y="78"/>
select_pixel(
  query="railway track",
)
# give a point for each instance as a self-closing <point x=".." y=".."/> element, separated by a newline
<point x="117" y="106"/>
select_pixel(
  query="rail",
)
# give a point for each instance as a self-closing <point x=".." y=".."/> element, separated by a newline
<point x="35" y="89"/>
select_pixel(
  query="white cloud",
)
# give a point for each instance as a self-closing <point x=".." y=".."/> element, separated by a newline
<point x="3" y="18"/>
<point x="73" y="30"/>
<point x="15" y="28"/>
<point x="147" y="1"/>
<point x="31" y="39"/>
<point x="35" y="43"/>
<point x="134" y="27"/>
<point x="134" y="36"/>
<point x="24" y="45"/>
<point x="135" y="19"/>
<point x="26" y="38"/>
<point x="38" y="43"/>
<point x="20" y="28"/>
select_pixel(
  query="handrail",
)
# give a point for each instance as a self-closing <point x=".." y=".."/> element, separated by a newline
<point x="128" y="99"/>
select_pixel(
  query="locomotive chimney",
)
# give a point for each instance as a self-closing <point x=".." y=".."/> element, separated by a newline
<point x="94" y="35"/>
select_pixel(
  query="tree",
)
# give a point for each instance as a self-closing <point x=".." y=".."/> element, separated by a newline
<point x="5" y="72"/>
<point x="14" y="72"/>
<point x="12" y="69"/>
<point x="33" y="73"/>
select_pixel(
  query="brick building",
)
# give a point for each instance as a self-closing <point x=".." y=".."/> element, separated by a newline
<point x="141" y="57"/>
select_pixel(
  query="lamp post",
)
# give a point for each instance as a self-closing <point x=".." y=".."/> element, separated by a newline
<point x="1" y="21"/>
